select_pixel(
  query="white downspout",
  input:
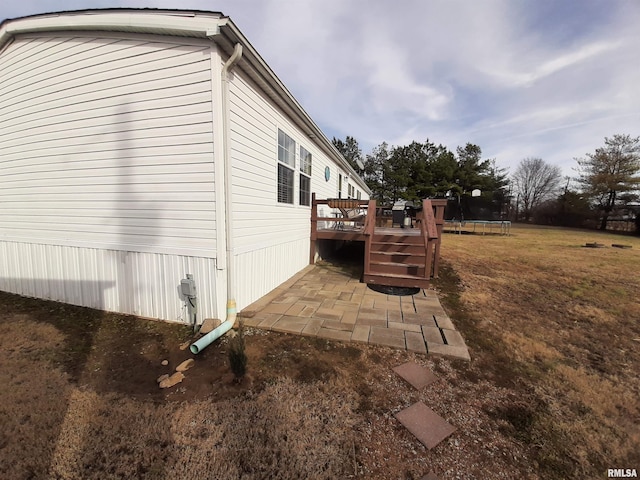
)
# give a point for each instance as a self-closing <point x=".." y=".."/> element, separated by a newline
<point x="231" y="299"/>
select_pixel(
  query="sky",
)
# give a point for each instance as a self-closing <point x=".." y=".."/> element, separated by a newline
<point x="540" y="78"/>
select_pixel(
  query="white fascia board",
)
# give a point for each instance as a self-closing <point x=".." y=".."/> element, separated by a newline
<point x="140" y="21"/>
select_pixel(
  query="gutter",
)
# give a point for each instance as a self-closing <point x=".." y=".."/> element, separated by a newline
<point x="228" y="206"/>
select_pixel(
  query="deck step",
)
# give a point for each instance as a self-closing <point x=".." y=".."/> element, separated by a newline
<point x="412" y="248"/>
<point x="411" y="269"/>
<point x="403" y="239"/>
<point x="397" y="257"/>
<point x="390" y="280"/>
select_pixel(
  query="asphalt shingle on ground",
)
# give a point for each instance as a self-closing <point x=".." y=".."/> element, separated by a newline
<point x="325" y="302"/>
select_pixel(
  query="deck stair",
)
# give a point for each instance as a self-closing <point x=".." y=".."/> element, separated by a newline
<point x="395" y="257"/>
<point x="405" y="257"/>
<point x="397" y="260"/>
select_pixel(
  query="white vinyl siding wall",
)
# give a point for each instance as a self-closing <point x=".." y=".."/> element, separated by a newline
<point x="107" y="143"/>
<point x="107" y="194"/>
<point x="271" y="239"/>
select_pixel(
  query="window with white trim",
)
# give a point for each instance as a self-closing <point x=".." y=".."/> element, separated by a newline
<point x="305" y="176"/>
<point x="286" y="167"/>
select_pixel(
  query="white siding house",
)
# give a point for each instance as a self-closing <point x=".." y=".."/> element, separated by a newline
<point x="137" y="147"/>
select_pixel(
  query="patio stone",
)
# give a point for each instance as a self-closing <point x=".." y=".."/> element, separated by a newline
<point x="287" y="299"/>
<point x="388" y="337"/>
<point x="269" y="320"/>
<point x="425" y="424"/>
<point x="295" y="309"/>
<point x="343" y="304"/>
<point x="385" y="304"/>
<point x="360" y="333"/>
<point x="289" y="324"/>
<point x="316" y="305"/>
<point x="349" y="317"/>
<point x="453" y="338"/>
<point x="330" y="313"/>
<point x="415" y="342"/>
<point x="337" y="325"/>
<point x="432" y="335"/>
<point x="394" y="316"/>
<point x="444" y="322"/>
<point x="312" y="327"/>
<point x="407" y="305"/>
<point x="308" y="311"/>
<point x="417" y="318"/>
<point x="373" y="313"/>
<point x="367" y="302"/>
<point x="252" y="321"/>
<point x="416" y="375"/>
<point x="373" y="322"/>
<point x="407" y="327"/>
<point x="328" y="303"/>
<point x="334" y="334"/>
<point x="357" y="297"/>
<point x="280" y="308"/>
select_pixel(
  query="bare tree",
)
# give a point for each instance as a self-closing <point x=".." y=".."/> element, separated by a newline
<point x="535" y="181"/>
<point x="612" y="172"/>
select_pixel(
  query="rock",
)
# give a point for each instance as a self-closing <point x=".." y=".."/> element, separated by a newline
<point x="209" y="324"/>
<point x="172" y="380"/>
<point x="186" y="365"/>
<point x="165" y="363"/>
<point x="185" y="345"/>
<point x="162" y="377"/>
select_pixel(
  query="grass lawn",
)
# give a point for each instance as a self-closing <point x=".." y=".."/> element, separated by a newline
<point x="552" y="391"/>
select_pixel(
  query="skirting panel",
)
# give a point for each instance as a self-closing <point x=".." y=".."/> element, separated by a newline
<point x="144" y="284"/>
<point x="260" y="271"/>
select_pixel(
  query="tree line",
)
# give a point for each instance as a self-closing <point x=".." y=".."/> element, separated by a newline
<point x="605" y="190"/>
<point x="426" y="170"/>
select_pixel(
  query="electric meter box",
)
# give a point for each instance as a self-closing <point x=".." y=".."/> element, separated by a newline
<point x="188" y="287"/>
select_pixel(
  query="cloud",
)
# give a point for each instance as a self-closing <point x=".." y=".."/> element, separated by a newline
<point x="540" y="79"/>
<point x="553" y="65"/>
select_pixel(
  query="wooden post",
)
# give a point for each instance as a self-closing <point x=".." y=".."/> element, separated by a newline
<point x="369" y="231"/>
<point x="438" y="207"/>
<point x="314" y="229"/>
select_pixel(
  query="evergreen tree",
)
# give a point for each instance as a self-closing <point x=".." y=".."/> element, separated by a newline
<point x="349" y="150"/>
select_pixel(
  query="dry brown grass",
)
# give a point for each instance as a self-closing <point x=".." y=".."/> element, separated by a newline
<point x="53" y="428"/>
<point x="552" y="390"/>
<point x="566" y="319"/>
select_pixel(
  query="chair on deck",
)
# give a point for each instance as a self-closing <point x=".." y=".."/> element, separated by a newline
<point x="350" y="210"/>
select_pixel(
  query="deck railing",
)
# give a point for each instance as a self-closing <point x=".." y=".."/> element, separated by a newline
<point x="340" y="220"/>
<point x="430" y="219"/>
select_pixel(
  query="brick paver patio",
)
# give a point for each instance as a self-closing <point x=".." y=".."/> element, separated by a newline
<point x="325" y="301"/>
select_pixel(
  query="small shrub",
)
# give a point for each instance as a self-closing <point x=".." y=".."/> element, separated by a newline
<point x="237" y="355"/>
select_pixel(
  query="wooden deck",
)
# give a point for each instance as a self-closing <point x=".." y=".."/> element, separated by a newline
<point x="404" y="257"/>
